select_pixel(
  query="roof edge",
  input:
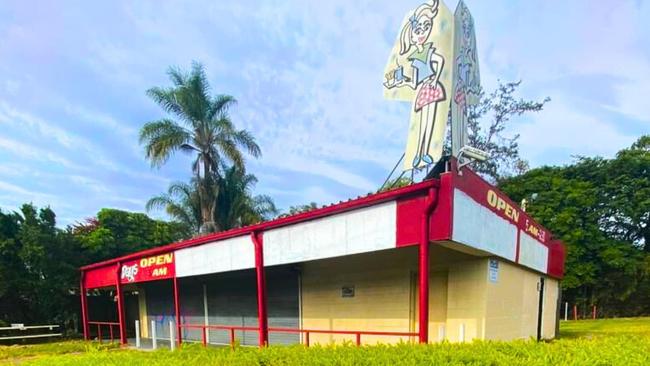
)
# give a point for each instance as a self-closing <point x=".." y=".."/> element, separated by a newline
<point x="335" y="208"/>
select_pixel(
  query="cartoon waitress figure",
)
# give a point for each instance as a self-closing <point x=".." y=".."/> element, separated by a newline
<point x="426" y="67"/>
<point x="467" y="86"/>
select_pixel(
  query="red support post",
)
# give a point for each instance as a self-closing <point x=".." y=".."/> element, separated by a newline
<point x="423" y="267"/>
<point x="120" y="304"/>
<point x="99" y="333"/>
<point x="261" y="289"/>
<point x="232" y="337"/>
<point x="84" y="306"/>
<point x="110" y="331"/>
<point x="203" y="337"/>
<point x="307" y="339"/>
<point x="358" y="339"/>
<point x="177" y="311"/>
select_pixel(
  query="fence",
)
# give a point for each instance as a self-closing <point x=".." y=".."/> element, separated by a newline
<point x="594" y="312"/>
<point x="306" y="332"/>
<point x="28" y="329"/>
<point x="110" y="326"/>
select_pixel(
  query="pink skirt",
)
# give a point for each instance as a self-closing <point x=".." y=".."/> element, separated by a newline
<point x="428" y="94"/>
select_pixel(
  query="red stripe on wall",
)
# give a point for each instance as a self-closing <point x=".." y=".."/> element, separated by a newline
<point x="518" y="246"/>
<point x="441" y="220"/>
<point x="100" y="277"/>
<point x="556" y="258"/>
<point x="409" y="211"/>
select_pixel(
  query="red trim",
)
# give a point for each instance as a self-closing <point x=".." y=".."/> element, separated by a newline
<point x="84" y="307"/>
<point x="100" y="277"/>
<point x="258" y="242"/>
<point x="284" y="221"/>
<point x="518" y="246"/>
<point x="408" y="226"/>
<point x="120" y="305"/>
<point x="423" y="261"/>
<point x="556" y="258"/>
<point x="177" y="312"/>
<point x="356" y="333"/>
<point x="152" y="268"/>
<point x="481" y="191"/>
<point x="110" y="326"/>
<point x="441" y="219"/>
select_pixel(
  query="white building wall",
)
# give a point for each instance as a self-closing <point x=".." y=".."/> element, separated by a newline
<point x="362" y="230"/>
<point x="221" y="256"/>
<point x="478" y="227"/>
<point x="532" y="253"/>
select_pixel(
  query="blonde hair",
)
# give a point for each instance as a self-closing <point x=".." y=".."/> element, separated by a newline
<point x="426" y="10"/>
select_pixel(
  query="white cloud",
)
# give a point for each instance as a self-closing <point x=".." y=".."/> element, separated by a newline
<point x="561" y="129"/>
<point x="22" y="151"/>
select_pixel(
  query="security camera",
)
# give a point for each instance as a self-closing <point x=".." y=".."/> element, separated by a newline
<point x="473" y="153"/>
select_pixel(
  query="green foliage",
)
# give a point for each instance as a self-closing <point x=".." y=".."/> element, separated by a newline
<point x="486" y="124"/>
<point x="600" y="208"/>
<point x="38" y="267"/>
<point x="237" y="206"/>
<point x="618" y="342"/>
<point x="17" y="352"/>
<point x="39" y="263"/>
<point x="235" y="203"/>
<point x="302" y="208"/>
<point x="114" y="233"/>
<point x="202" y="128"/>
<point x="395" y="183"/>
<point x="182" y="203"/>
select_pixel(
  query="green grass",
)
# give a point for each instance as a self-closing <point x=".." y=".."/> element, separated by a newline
<point x="605" y="327"/>
<point x="21" y="352"/>
<point x="600" y="342"/>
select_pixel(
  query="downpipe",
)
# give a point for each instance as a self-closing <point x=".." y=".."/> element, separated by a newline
<point x="431" y="202"/>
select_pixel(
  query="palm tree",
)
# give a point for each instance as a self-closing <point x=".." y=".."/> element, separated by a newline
<point x="236" y="204"/>
<point x="202" y="128"/>
<point x="181" y="203"/>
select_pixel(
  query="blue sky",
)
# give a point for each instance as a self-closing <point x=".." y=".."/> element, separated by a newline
<point x="307" y="76"/>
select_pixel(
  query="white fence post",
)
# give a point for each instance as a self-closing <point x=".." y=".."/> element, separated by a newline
<point x="154" y="343"/>
<point x="441" y="333"/>
<point x="206" y="320"/>
<point x="172" y="341"/>
<point x="461" y="333"/>
<point x="566" y="311"/>
<point x="137" y="334"/>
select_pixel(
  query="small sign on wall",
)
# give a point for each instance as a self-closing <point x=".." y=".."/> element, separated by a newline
<point x="493" y="270"/>
<point x="347" y="291"/>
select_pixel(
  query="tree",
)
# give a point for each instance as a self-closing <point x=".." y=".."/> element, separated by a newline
<point x="628" y="194"/>
<point x="203" y="128"/>
<point x="293" y="210"/>
<point x="182" y="203"/>
<point x="486" y="124"/>
<point x="599" y="209"/>
<point x="236" y="204"/>
<point x="38" y="266"/>
<point x="117" y="233"/>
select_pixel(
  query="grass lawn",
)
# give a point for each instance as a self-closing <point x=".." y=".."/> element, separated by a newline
<point x="586" y="342"/>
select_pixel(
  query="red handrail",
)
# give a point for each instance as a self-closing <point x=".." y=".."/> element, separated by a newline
<point x="110" y="326"/>
<point x="307" y="332"/>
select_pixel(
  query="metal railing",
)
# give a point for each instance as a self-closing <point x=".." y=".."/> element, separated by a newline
<point x="232" y="328"/>
<point x="110" y="326"/>
<point x="23" y="328"/>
